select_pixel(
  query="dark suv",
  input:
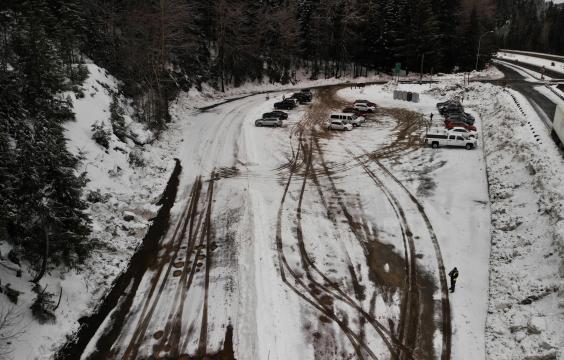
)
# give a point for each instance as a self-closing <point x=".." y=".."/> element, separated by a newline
<point x="286" y="104"/>
<point x="276" y="113"/>
<point x="461" y="117"/>
<point x="449" y="107"/>
<point x="301" y="97"/>
<point x="307" y="93"/>
<point x="351" y="110"/>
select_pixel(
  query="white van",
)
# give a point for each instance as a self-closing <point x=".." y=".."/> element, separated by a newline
<point x="339" y="125"/>
<point x="348" y="118"/>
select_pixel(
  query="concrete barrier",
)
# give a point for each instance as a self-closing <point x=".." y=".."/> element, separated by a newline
<point x="406" y="96"/>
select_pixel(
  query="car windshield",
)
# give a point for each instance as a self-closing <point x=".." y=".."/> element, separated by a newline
<point x="353" y="116"/>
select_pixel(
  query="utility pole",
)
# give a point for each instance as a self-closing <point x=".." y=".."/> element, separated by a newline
<point x="480" y="43"/>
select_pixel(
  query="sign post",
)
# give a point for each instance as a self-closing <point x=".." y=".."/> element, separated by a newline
<point x="397" y="70"/>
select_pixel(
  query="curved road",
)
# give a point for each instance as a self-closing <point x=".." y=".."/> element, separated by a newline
<point x="538" y="100"/>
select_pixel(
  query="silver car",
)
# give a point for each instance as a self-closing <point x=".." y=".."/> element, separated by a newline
<point x="269" y="121"/>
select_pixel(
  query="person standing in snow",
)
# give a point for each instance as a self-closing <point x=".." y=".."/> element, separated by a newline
<point x="453" y="276"/>
<point x="431" y="117"/>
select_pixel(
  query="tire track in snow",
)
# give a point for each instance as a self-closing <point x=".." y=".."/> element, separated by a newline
<point x="340" y="294"/>
<point x="202" y="344"/>
<point x="172" y="331"/>
<point x="148" y="310"/>
<point x="446" y="326"/>
<point x="106" y="342"/>
<point x="407" y="327"/>
<point x="316" y="302"/>
<point x="310" y="121"/>
<point x="398" y="342"/>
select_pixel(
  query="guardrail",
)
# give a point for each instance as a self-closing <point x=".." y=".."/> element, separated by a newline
<point x="535" y="54"/>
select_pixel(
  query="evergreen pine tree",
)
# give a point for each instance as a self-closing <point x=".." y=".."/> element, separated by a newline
<point x="45" y="201"/>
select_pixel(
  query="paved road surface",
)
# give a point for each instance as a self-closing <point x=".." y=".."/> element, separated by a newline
<point x="538" y="100"/>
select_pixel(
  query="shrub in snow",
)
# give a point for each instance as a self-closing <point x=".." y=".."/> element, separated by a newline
<point x="78" y="74"/>
<point x="117" y="119"/>
<point x="136" y="158"/>
<point x="43" y="307"/>
<point x="115" y="171"/>
<point x="11" y="294"/>
<point x="100" y="134"/>
<point x="14" y="256"/>
<point x="78" y="92"/>
<point x="97" y="196"/>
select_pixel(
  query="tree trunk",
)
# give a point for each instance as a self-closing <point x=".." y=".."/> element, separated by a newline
<point x="45" y="255"/>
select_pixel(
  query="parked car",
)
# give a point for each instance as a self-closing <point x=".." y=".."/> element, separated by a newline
<point x="339" y="125"/>
<point x="449" y="124"/>
<point x="460" y="117"/>
<point x="436" y="139"/>
<point x="286" y="104"/>
<point x="450" y="106"/>
<point x="451" y="109"/>
<point x="469" y="119"/>
<point x="364" y="107"/>
<point x="444" y="104"/>
<point x="369" y="103"/>
<point x="464" y="132"/>
<point x="276" y="113"/>
<point x="294" y="100"/>
<point x="351" y="110"/>
<point x="269" y="121"/>
<point x="307" y="93"/>
<point x="301" y="97"/>
<point x="348" y="118"/>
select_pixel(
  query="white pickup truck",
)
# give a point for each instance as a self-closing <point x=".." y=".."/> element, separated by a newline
<point x="445" y="138"/>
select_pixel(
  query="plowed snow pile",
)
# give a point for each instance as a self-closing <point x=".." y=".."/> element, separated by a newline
<point x="525" y="174"/>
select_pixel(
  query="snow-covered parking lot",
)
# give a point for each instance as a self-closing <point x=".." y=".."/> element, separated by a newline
<point x="302" y="243"/>
<point x="331" y="244"/>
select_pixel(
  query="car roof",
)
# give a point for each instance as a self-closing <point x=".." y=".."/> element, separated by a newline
<point x="458" y="128"/>
<point x="341" y="113"/>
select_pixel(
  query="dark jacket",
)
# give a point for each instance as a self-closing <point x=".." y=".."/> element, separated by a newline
<point x="453" y="274"/>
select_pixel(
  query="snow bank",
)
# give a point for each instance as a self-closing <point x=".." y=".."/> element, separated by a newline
<point x="525" y="174"/>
